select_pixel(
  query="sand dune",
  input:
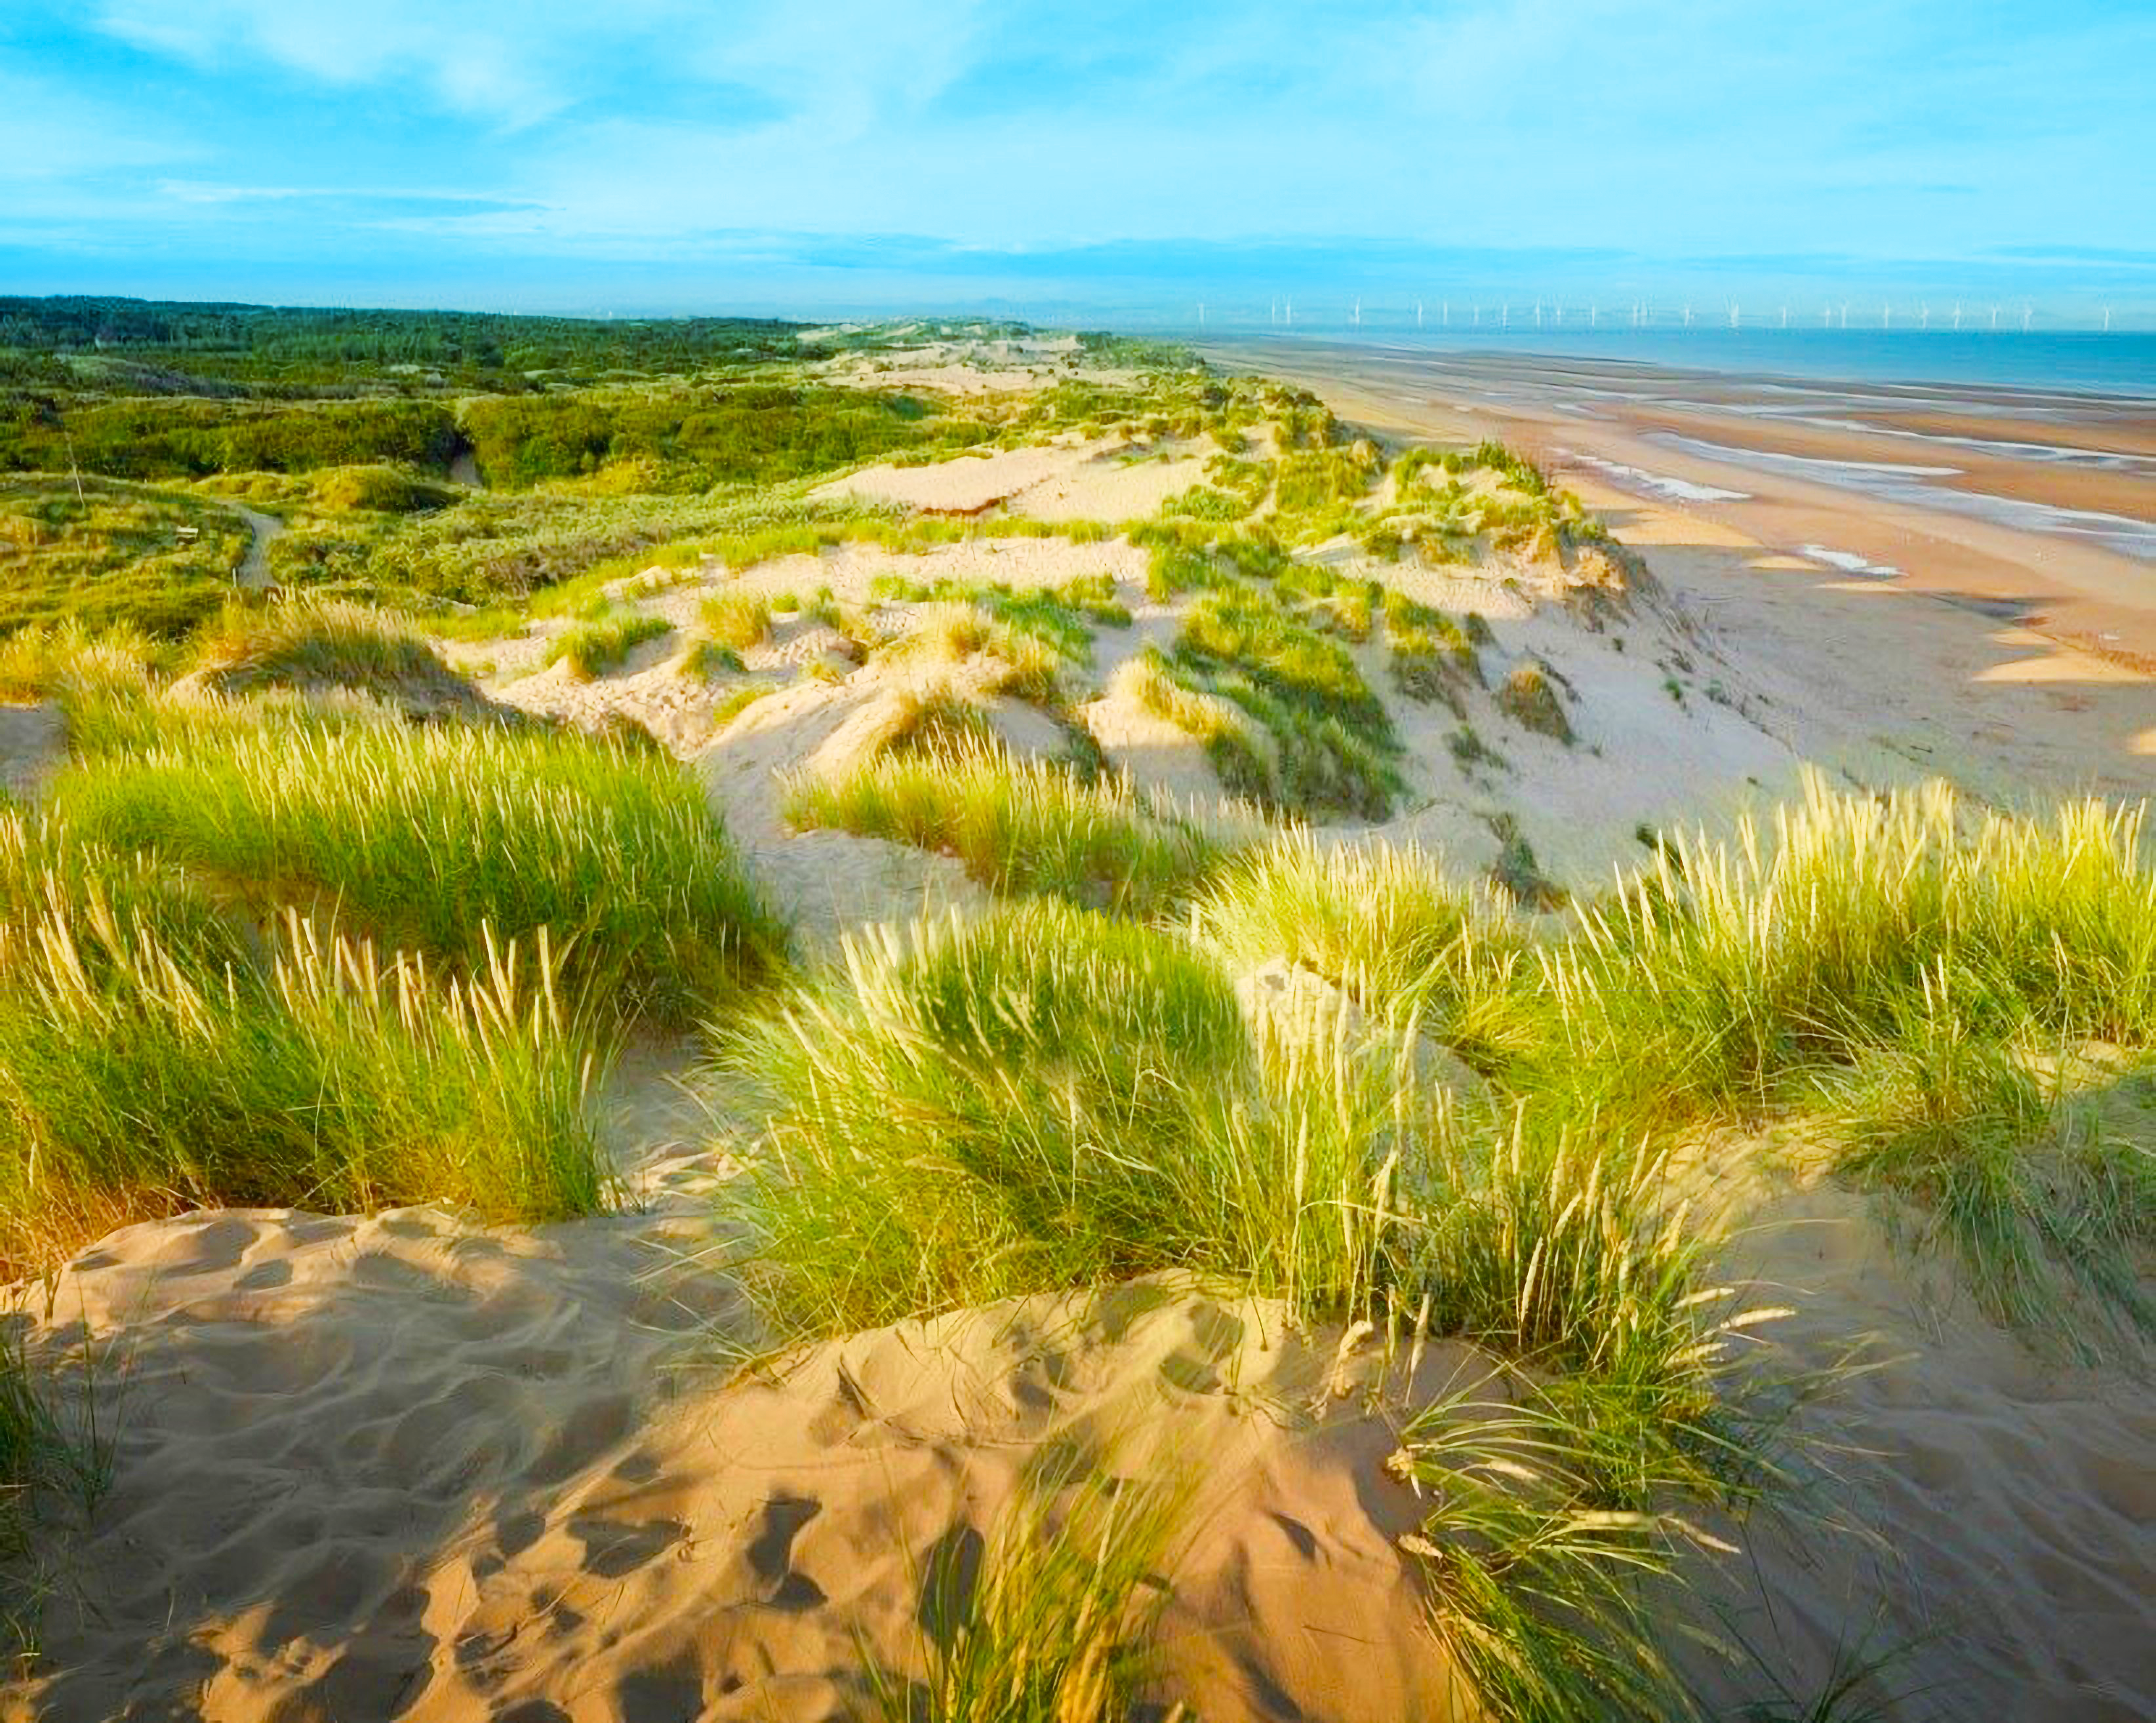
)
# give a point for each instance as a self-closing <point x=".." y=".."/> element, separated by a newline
<point x="406" y="1467"/>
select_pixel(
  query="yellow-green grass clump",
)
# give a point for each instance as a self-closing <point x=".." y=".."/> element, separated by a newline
<point x="1332" y="741"/>
<point x="1044" y="1099"/>
<point x="1529" y="697"/>
<point x="428" y="836"/>
<point x="739" y="620"/>
<point x="41" y="664"/>
<point x="945" y="636"/>
<point x="157" y="1055"/>
<point x="596" y="645"/>
<point x="381" y="490"/>
<point x="1024" y="826"/>
<point x="1385" y="923"/>
<point x="1056" y="1624"/>
<point x="315" y="643"/>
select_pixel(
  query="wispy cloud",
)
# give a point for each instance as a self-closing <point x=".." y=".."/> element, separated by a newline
<point x="673" y="132"/>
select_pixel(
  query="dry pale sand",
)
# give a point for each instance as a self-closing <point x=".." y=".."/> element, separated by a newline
<point x="405" y="1468"/>
<point x="1070" y="479"/>
<point x="1982" y="1508"/>
<point x="408" y="1467"/>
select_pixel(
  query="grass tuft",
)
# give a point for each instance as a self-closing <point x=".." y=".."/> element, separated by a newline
<point x="428" y="836"/>
<point x="1056" y="1626"/>
<point x="1046" y="1098"/>
<point x="140" y="1078"/>
<point x="1019" y="825"/>
<point x="594" y="647"/>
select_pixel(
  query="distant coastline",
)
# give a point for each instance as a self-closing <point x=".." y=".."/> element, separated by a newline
<point x="2036" y="504"/>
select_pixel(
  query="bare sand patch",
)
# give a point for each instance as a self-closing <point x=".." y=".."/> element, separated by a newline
<point x="406" y="1467"/>
<point x="1106" y="479"/>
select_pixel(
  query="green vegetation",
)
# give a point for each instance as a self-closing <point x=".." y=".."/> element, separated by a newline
<point x="1529" y="698"/>
<point x="1046" y="1098"/>
<point x="114" y="554"/>
<point x="1331" y="739"/>
<point x="315" y="644"/>
<point x="675" y="437"/>
<point x="1061" y="617"/>
<point x="1019" y="825"/>
<point x="592" y="648"/>
<point x="1385" y="924"/>
<point x="1054" y="1628"/>
<point x="1432" y="657"/>
<point x="943" y="636"/>
<point x="447" y="840"/>
<point x="175" y="345"/>
<point x="38" y="663"/>
<point x="739" y="620"/>
<point x="170" y="437"/>
<point x="155" y="1054"/>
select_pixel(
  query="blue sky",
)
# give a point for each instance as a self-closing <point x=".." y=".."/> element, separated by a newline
<point x="656" y="155"/>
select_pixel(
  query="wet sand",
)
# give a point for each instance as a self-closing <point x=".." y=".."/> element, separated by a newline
<point x="2034" y="506"/>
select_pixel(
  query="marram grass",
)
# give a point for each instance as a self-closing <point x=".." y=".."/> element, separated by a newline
<point x="428" y="836"/>
<point x="1726" y="969"/>
<point x="1384" y="922"/>
<point x="594" y="647"/>
<point x="1022" y="825"/>
<point x="1057" y="1624"/>
<point x="137" y="1078"/>
<point x="1047" y="1098"/>
<point x="306" y="641"/>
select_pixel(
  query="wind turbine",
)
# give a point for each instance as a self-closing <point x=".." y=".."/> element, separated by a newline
<point x="1505" y="316"/>
<point x="1687" y="316"/>
<point x="1785" y="316"/>
<point x="2106" y="320"/>
<point x="1957" y="316"/>
<point x="1201" y="314"/>
<point x="2027" y="312"/>
<point x="1358" y="313"/>
<point x="1995" y="320"/>
<point x="1418" y="313"/>
<point x="1887" y="316"/>
<point x="1924" y="317"/>
<point x="1736" y="315"/>
<point x="1444" y="314"/>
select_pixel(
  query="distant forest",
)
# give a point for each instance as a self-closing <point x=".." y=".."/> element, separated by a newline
<point x="273" y="344"/>
<point x="147" y="391"/>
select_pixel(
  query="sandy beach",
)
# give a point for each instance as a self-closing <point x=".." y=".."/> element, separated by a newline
<point x="2038" y="504"/>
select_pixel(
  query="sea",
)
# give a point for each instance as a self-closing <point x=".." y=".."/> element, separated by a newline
<point x="2080" y="362"/>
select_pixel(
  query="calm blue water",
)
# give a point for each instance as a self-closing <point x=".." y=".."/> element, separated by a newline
<point x="2080" y="362"/>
